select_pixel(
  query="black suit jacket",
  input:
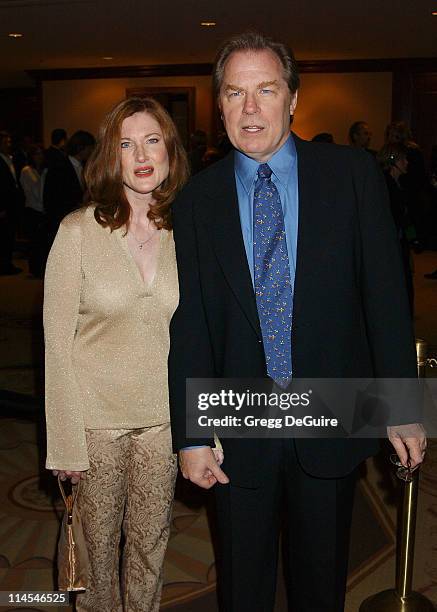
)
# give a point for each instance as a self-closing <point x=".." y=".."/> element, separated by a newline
<point x="350" y="309"/>
<point x="63" y="192"/>
<point x="54" y="157"/>
<point x="11" y="195"/>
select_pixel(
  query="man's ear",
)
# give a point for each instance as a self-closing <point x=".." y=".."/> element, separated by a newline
<point x="293" y="103"/>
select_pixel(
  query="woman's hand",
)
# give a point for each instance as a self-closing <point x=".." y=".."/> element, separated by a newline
<point x="64" y="474"/>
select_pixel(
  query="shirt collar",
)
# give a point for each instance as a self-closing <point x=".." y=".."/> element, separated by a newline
<point x="280" y="163"/>
<point x="7" y="158"/>
<point x="76" y="163"/>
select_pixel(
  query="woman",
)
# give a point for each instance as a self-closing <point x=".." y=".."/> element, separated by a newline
<point x="394" y="163"/>
<point x="32" y="180"/>
<point x="111" y="289"/>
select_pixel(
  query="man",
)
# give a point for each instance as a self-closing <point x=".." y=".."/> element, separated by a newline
<point x="360" y="135"/>
<point x="55" y="153"/>
<point x="64" y="186"/>
<point x="340" y="277"/>
<point x="11" y="203"/>
<point x="198" y="144"/>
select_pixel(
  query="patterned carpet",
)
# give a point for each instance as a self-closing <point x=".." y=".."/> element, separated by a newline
<point x="30" y="512"/>
<point x="30" y="515"/>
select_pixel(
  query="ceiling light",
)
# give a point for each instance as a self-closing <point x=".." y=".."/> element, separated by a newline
<point x="208" y="24"/>
<point x="107" y="57"/>
<point x="15" y="35"/>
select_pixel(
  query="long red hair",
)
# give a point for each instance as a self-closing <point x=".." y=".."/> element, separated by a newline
<point x="103" y="172"/>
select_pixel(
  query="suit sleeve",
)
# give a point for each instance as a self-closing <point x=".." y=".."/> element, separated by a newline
<point x="383" y="288"/>
<point x="66" y="443"/>
<point x="190" y="346"/>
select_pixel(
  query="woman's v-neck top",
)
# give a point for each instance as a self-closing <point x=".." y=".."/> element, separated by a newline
<point x="106" y="335"/>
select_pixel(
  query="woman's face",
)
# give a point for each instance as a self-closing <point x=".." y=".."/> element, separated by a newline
<point x="394" y="135"/>
<point x="144" y="157"/>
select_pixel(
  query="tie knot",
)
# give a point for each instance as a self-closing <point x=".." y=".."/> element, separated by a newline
<point x="264" y="171"/>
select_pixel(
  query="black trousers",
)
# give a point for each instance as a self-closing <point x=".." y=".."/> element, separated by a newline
<point x="316" y="538"/>
<point x="8" y="227"/>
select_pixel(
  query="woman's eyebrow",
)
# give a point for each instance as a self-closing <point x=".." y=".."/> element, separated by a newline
<point x="145" y="136"/>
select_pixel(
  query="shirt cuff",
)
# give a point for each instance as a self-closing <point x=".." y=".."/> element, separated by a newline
<point x="191" y="447"/>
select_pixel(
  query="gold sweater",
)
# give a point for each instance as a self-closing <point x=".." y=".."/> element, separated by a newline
<point x="106" y="337"/>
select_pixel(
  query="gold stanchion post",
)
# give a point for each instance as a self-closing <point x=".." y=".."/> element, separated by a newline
<point x="402" y="598"/>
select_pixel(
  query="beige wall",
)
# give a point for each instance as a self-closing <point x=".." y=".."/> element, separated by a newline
<point x="332" y="102"/>
<point x="76" y="104"/>
<point x="327" y="102"/>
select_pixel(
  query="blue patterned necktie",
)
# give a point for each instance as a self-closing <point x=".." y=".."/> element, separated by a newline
<point x="272" y="277"/>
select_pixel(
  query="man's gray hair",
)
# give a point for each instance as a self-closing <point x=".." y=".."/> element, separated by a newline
<point x="254" y="41"/>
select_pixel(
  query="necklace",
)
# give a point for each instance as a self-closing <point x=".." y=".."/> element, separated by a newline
<point x="141" y="243"/>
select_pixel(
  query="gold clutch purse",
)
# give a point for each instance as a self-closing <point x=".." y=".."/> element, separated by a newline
<point x="72" y="552"/>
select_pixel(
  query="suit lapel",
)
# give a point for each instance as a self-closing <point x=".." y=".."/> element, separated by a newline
<point x="7" y="173"/>
<point x="228" y="242"/>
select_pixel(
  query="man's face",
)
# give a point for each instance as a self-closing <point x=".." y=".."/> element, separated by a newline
<point x="363" y="135"/>
<point x="256" y="103"/>
<point x="85" y="153"/>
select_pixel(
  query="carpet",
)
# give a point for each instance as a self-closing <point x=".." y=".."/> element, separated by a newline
<point x="30" y="513"/>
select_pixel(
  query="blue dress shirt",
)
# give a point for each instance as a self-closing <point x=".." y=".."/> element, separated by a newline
<point x="284" y="175"/>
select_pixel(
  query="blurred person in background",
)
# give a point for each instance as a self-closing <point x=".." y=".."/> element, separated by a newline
<point x="323" y="137"/>
<point x="414" y="181"/>
<point x="433" y="197"/>
<point x="20" y="153"/>
<point x="198" y="142"/>
<point x="393" y="159"/>
<point x="64" y="187"/>
<point x="11" y="204"/>
<point x="360" y="135"/>
<point x="32" y="182"/>
<point x="55" y="153"/>
<point x="212" y="155"/>
<point x="111" y="289"/>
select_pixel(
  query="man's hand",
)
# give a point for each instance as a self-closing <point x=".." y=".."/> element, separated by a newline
<point x="201" y="467"/>
<point x="64" y="474"/>
<point x="409" y="442"/>
<point x="219" y="455"/>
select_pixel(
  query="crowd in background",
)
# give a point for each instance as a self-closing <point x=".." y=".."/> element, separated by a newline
<point x="38" y="187"/>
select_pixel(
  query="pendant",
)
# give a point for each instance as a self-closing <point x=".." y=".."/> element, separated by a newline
<point x="141" y="246"/>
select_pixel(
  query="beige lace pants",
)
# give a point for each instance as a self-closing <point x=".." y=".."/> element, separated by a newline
<point x="128" y="488"/>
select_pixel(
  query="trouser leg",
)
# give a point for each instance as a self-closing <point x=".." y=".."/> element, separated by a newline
<point x="319" y="516"/>
<point x="152" y="472"/>
<point x="101" y="503"/>
<point x="248" y="521"/>
<point x="7" y="241"/>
